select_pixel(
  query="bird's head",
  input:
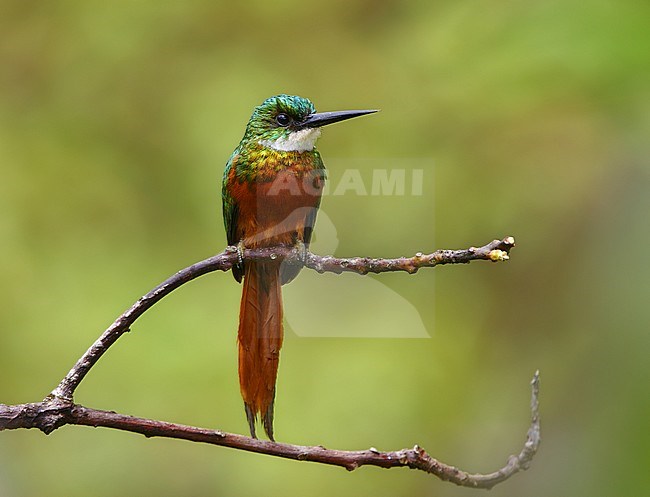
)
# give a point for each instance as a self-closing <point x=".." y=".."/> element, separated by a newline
<point x="291" y="123"/>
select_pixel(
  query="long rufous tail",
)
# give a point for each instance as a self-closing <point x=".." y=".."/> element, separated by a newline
<point x="260" y="338"/>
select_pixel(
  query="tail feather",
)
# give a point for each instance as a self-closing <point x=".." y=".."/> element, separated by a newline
<point x="260" y="339"/>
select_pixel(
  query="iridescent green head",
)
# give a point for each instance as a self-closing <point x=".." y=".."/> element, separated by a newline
<point x="291" y="123"/>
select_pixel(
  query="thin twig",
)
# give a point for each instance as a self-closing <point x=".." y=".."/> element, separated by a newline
<point x="53" y="413"/>
<point x="497" y="250"/>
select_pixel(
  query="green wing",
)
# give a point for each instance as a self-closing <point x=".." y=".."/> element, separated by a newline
<point x="311" y="217"/>
<point x="230" y="214"/>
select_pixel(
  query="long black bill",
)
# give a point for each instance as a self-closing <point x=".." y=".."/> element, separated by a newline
<point x="323" y="118"/>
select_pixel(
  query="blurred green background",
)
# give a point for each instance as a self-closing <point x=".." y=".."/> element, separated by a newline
<point x="116" y="120"/>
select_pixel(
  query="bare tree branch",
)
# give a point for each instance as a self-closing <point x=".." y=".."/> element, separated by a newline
<point x="58" y="408"/>
<point x="53" y="413"/>
<point x="497" y="250"/>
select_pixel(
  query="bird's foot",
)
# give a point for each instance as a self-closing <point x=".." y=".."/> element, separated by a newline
<point x="302" y="251"/>
<point x="240" y="253"/>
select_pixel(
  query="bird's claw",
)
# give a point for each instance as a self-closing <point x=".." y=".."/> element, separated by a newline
<point x="301" y="251"/>
<point x="240" y="253"/>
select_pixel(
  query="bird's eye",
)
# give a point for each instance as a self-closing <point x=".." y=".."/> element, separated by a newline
<point x="283" y="119"/>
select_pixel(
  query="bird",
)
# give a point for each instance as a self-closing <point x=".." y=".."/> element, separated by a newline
<point x="271" y="192"/>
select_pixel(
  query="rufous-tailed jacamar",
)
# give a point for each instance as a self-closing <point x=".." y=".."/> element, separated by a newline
<point x="271" y="192"/>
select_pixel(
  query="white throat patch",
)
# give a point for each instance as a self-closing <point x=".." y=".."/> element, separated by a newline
<point x="297" y="141"/>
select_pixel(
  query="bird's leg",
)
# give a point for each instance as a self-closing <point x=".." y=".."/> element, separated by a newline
<point x="240" y="254"/>
<point x="302" y="251"/>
